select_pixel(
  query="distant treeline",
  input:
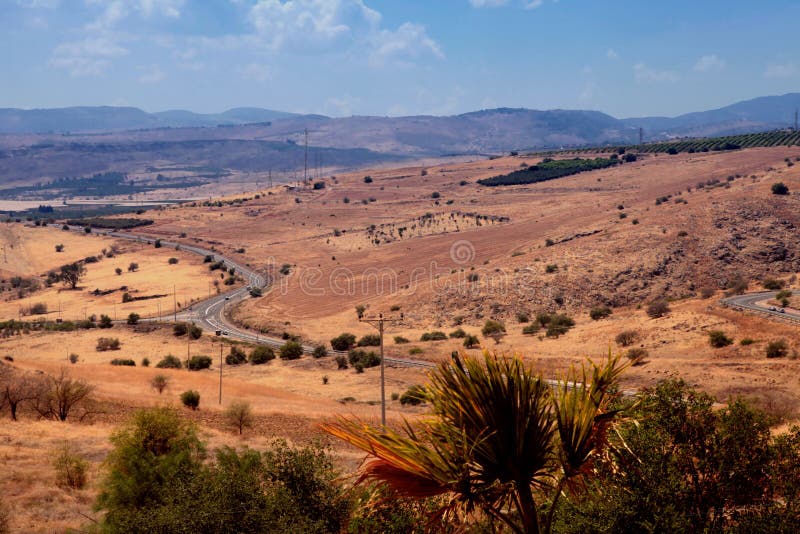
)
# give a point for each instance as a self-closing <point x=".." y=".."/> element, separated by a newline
<point x="114" y="224"/>
<point x="550" y="169"/>
<point x="703" y="144"/>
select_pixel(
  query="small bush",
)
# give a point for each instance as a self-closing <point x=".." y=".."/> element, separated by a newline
<point x="523" y="317"/>
<point x="413" y="396"/>
<point x="370" y="340"/>
<point x="236" y="356"/>
<point x="368" y="179"/>
<point x="707" y="292"/>
<point x="772" y="284"/>
<point x="291" y="350"/>
<point x="169" y="362"/>
<point x="530" y="329"/>
<point x="599" y="312"/>
<point x="780" y="189"/>
<point x="195" y="332"/>
<point x="255" y="292"/>
<point x="261" y="355"/>
<point x="199" y="362"/>
<point x="783" y="294"/>
<point x="657" y="308"/>
<point x="552" y="268"/>
<point x="191" y="399"/>
<point x="636" y="355"/>
<point x="124" y="362"/>
<point x="718" y="339"/>
<point x="105" y="321"/>
<point x="70" y="468"/>
<point x="413" y="351"/>
<point x="73" y="358"/>
<point x="436" y="335"/>
<point x="492" y="328"/>
<point x="400" y="340"/>
<point x="133" y="267"/>
<point x="172" y="261"/>
<point x="747" y="341"/>
<point x="458" y="333"/>
<point x="365" y="359"/>
<point x="341" y="362"/>
<point x="107" y="343"/>
<point x="471" y="341"/>
<point x="319" y="352"/>
<point x="133" y="318"/>
<point x="145" y="362"/>
<point x="180" y="329"/>
<point x="777" y="349"/>
<point x="239" y="415"/>
<point x="626" y="338"/>
<point x="343" y="342"/>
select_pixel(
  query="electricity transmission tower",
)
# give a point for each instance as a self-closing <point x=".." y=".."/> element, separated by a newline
<point x="378" y="323"/>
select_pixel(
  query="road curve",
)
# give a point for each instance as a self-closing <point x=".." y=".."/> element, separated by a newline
<point x="752" y="302"/>
<point x="209" y="314"/>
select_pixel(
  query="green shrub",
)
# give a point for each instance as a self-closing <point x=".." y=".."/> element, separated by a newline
<point x="626" y="338"/>
<point x="718" y="339"/>
<point x="172" y="261"/>
<point x="180" y="329"/>
<point x="523" y="317"/>
<point x="361" y="357"/>
<point x="169" y="362"/>
<point x="236" y="356"/>
<point x="530" y="329"/>
<point x="107" y="343"/>
<point x="195" y="332"/>
<point x="239" y="415"/>
<point x="191" y="399"/>
<point x="783" y="294"/>
<point x="636" y="355"/>
<point x="261" y="355"/>
<point x="105" y="321"/>
<point x="777" y="349"/>
<point x="551" y="268"/>
<point x="343" y="342"/>
<point x="413" y="351"/>
<point x="291" y="350"/>
<point x="458" y="333"/>
<point x="133" y="318"/>
<point x="370" y="340"/>
<point x="492" y="328"/>
<point x="319" y="352"/>
<point x="145" y="362"/>
<point x="435" y="335"/>
<point x="780" y="189"/>
<point x="414" y="396"/>
<point x="70" y="468"/>
<point x="772" y="284"/>
<point x="124" y="362"/>
<point x="400" y="340"/>
<point x="747" y="341"/>
<point x="599" y="312"/>
<point x="657" y="308"/>
<point x="199" y="362"/>
<point x="341" y="362"/>
<point x="471" y="341"/>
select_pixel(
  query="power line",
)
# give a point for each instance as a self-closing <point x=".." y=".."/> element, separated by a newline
<point x="379" y="322"/>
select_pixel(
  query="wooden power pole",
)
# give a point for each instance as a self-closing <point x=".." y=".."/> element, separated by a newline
<point x="379" y="322"/>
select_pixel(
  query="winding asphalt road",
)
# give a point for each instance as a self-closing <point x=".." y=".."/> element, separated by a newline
<point x="209" y="314"/>
<point x="757" y="302"/>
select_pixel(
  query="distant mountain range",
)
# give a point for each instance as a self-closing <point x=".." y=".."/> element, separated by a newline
<point x="478" y="132"/>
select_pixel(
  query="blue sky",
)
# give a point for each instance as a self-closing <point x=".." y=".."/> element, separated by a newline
<point x="397" y="57"/>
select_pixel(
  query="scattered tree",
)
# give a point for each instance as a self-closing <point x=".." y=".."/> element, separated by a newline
<point x="133" y="318"/>
<point x="239" y="415"/>
<point x="191" y="399"/>
<point x="159" y="383"/>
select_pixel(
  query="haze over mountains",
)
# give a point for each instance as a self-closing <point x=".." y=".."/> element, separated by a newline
<point x="475" y="132"/>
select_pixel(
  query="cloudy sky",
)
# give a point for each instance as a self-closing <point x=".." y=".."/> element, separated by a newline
<point x="397" y="57"/>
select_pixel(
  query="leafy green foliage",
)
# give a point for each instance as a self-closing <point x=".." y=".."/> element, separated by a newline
<point x="363" y="358"/>
<point x="435" y="335"/>
<point x="199" y="362"/>
<point x="191" y="399"/>
<point x="777" y="349"/>
<point x="236" y="356"/>
<point x="718" y="339"/>
<point x="343" y="341"/>
<point x="549" y="170"/>
<point x="291" y="350"/>
<point x="369" y="340"/>
<point x="261" y="355"/>
<point x="413" y="396"/>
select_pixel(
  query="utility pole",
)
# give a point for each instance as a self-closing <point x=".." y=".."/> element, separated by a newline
<point x="174" y="304"/>
<point x="220" y="372"/>
<point x="379" y="322"/>
<point x="305" y="167"/>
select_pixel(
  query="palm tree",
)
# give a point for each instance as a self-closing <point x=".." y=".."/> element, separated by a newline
<point x="500" y="440"/>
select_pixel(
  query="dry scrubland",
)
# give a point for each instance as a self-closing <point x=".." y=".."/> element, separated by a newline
<point x="701" y="243"/>
<point x="31" y="251"/>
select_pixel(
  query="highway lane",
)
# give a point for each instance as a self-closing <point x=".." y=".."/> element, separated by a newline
<point x="752" y="302"/>
<point x="210" y="314"/>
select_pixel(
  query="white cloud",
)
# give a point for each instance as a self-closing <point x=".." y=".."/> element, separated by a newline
<point x="533" y="4"/>
<point x="708" y="63"/>
<point x="780" y="70"/>
<point x="408" y="42"/>
<point x="643" y="73"/>
<point x="342" y="106"/>
<point x="311" y="22"/>
<point x="150" y="74"/>
<point x="612" y="54"/>
<point x="90" y="57"/>
<point x="117" y="10"/>
<point x="587" y="94"/>
<point x="254" y="72"/>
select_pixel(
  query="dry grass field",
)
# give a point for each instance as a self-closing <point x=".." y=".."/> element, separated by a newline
<point x="30" y="251"/>
<point x="430" y="243"/>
